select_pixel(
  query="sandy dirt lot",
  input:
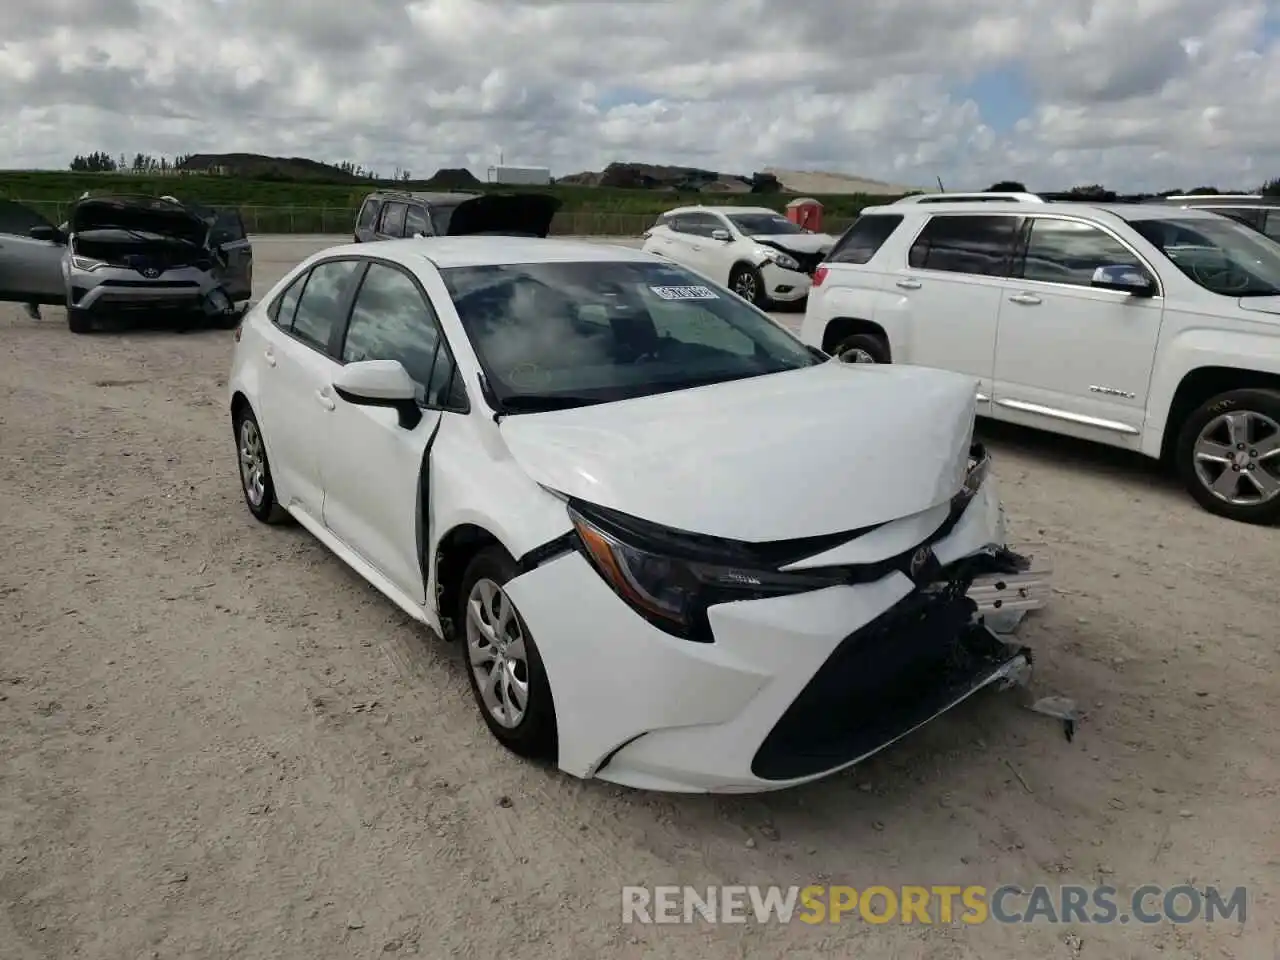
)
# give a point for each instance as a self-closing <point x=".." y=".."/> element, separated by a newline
<point x="216" y="741"/>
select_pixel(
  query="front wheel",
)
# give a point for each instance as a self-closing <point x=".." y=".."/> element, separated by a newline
<point x="79" y="321"/>
<point x="1228" y="455"/>
<point x="502" y="661"/>
<point x="748" y="283"/>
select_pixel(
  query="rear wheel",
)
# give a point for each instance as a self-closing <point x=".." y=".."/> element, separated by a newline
<point x="79" y="321"/>
<point x="1228" y="455"/>
<point x="862" y="348"/>
<point x="255" y="471"/>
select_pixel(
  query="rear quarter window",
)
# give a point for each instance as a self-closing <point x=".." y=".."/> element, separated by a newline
<point x="863" y="240"/>
<point x="368" y="215"/>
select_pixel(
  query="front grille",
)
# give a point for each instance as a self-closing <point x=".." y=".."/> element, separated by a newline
<point x="147" y="284"/>
<point x="882" y="681"/>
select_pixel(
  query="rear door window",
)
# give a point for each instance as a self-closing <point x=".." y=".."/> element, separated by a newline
<point x="979" y="245"/>
<point x="393" y="215"/>
<point x="864" y="239"/>
<point x="1271" y="225"/>
<point x="415" y="222"/>
<point x="322" y="306"/>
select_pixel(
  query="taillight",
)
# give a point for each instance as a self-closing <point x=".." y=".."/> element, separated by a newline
<point x="239" y="327"/>
<point x="819" y="275"/>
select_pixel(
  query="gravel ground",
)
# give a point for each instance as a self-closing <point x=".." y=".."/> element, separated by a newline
<point x="216" y="741"/>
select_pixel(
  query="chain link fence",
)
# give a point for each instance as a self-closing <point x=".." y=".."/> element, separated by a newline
<point x="340" y="221"/>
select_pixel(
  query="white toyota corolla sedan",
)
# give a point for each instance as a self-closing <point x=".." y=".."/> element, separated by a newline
<point x="679" y="549"/>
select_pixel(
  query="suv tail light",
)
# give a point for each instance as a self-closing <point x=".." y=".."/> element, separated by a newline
<point x="819" y="275"/>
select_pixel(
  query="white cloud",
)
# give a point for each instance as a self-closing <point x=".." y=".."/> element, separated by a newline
<point x="1145" y="94"/>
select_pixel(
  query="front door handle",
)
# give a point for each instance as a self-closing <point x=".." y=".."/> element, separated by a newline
<point x="326" y="401"/>
<point x="908" y="284"/>
<point x="1029" y="299"/>
<point x="270" y="357"/>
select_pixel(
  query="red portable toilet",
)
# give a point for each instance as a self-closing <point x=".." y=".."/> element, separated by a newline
<point x="805" y="212"/>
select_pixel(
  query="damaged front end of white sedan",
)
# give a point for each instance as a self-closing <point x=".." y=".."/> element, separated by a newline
<point x="767" y="650"/>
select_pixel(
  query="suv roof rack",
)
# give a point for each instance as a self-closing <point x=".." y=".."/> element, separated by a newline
<point x="969" y="198"/>
<point x="1215" y="196"/>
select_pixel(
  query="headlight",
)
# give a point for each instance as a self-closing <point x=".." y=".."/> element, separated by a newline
<point x="674" y="592"/>
<point x="979" y="467"/>
<point x="785" y="261"/>
<point x="85" y="263"/>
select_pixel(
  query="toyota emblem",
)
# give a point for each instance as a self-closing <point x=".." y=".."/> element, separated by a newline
<point x="150" y="272"/>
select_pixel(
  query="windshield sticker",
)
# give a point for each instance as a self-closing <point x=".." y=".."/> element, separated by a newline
<point x="685" y="293"/>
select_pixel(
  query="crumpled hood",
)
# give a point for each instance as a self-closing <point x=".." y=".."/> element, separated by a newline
<point x="1269" y="305"/>
<point x="512" y="213"/>
<point x="143" y="214"/>
<point x="797" y="242"/>
<point x="820" y="450"/>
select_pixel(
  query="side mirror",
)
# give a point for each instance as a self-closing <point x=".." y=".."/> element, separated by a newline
<point x="722" y="235"/>
<point x="380" y="383"/>
<point x="44" y="231"/>
<point x="1123" y="278"/>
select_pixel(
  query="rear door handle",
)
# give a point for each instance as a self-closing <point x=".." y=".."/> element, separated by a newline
<point x="271" y="357"/>
<point x="326" y="401"/>
<point x="1030" y="299"/>
<point x="908" y="284"/>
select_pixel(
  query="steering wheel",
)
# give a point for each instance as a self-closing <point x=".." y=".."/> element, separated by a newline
<point x="1222" y="278"/>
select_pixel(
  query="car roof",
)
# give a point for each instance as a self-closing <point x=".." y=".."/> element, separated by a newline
<point x="438" y="199"/>
<point x="1124" y="211"/>
<point x="722" y="210"/>
<point x="480" y="251"/>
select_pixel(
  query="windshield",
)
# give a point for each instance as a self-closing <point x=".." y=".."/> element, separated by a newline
<point x="555" y="335"/>
<point x="757" y="223"/>
<point x="1221" y="255"/>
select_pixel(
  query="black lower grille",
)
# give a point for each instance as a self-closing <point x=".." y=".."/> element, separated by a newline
<point x="881" y="681"/>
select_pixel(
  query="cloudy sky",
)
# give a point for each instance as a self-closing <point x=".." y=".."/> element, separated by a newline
<point x="1134" y="94"/>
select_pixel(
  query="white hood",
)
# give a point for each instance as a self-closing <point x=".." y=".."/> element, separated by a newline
<point x="799" y="242"/>
<point x="820" y="450"/>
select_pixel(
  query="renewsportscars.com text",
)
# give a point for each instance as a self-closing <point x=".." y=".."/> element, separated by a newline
<point x="939" y="904"/>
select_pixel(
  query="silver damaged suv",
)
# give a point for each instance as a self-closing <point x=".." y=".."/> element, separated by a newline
<point x="124" y="255"/>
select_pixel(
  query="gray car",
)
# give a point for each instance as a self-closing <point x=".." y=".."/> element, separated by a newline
<point x="124" y="255"/>
<point x="391" y="215"/>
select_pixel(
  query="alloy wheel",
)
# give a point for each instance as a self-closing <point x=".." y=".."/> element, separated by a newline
<point x="496" y="652"/>
<point x="1237" y="458"/>
<point x="745" y="286"/>
<point x="855" y="355"/>
<point x="253" y="462"/>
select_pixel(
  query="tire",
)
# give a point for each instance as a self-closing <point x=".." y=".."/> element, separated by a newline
<point x="79" y="321"/>
<point x="259" y="497"/>
<point x="229" y="320"/>
<point x="531" y="733"/>
<point x="1248" y="461"/>
<point x="862" y="348"/>
<point x="747" y="282"/>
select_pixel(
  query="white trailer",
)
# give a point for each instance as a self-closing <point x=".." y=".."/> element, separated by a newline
<point x="536" y="176"/>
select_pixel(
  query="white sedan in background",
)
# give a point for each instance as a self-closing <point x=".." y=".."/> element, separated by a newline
<point x="758" y="253"/>
<point x="680" y="550"/>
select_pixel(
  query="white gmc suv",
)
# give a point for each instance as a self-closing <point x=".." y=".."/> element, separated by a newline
<point x="1147" y="327"/>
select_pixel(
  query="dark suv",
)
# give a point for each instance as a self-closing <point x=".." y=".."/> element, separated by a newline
<point x="390" y="215"/>
<point x="1254" y="210"/>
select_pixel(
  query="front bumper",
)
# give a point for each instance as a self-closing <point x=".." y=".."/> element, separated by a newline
<point x="785" y="286"/>
<point x="111" y="290"/>
<point x="793" y="689"/>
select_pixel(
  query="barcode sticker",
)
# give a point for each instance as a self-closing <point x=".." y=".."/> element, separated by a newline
<point x="685" y="293"/>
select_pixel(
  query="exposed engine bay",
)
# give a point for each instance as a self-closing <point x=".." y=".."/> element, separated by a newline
<point x="148" y="253"/>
